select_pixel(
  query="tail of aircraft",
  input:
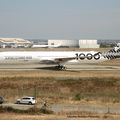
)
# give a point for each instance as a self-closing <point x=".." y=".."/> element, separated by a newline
<point x="113" y="53"/>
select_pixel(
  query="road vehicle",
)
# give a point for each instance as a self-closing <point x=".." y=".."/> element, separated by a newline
<point x="26" y="100"/>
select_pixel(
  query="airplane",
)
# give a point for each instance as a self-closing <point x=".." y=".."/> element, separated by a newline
<point x="58" y="58"/>
<point x="46" y="46"/>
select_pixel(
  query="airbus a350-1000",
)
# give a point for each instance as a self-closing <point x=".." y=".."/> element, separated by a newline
<point x="58" y="57"/>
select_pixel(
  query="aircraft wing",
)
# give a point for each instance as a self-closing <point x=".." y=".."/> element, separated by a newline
<point x="56" y="60"/>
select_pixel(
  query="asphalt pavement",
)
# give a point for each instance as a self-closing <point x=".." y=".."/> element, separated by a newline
<point x="75" y="67"/>
<point x="65" y="107"/>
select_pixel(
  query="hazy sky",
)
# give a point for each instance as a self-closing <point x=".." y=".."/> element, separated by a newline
<point x="60" y="19"/>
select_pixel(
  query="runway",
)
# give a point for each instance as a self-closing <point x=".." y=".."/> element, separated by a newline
<point x="92" y="67"/>
<point x="74" y="67"/>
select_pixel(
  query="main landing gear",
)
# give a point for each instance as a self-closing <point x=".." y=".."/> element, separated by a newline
<point x="61" y="67"/>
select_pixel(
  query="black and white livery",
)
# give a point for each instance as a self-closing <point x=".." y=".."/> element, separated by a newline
<point x="58" y="57"/>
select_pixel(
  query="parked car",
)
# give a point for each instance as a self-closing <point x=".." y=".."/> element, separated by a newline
<point x="26" y="100"/>
<point x="1" y="100"/>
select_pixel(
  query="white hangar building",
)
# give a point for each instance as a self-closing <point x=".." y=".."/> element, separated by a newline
<point x="88" y="44"/>
<point x="64" y="43"/>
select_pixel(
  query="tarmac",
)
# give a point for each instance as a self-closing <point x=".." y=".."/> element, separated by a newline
<point x="74" y="67"/>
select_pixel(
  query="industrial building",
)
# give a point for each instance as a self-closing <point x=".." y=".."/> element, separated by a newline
<point x="88" y="44"/>
<point x="22" y="43"/>
<point x="64" y="43"/>
<point x="14" y="43"/>
<point x="75" y="43"/>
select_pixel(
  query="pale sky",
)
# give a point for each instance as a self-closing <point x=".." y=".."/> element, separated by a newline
<point x="60" y="19"/>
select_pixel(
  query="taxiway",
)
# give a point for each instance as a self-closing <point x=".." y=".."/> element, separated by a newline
<point x="74" y="67"/>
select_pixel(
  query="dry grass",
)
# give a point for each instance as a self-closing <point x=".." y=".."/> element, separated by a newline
<point x="58" y="74"/>
<point x="43" y="84"/>
<point x="55" y="49"/>
<point x="12" y="116"/>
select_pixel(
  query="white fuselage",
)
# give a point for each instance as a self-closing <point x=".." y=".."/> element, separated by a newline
<point x="43" y="56"/>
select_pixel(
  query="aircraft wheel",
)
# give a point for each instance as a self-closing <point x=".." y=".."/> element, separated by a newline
<point x="61" y="67"/>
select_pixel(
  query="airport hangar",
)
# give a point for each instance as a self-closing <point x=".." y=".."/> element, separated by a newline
<point x="83" y="43"/>
<point x="14" y="43"/>
<point x="22" y="43"/>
